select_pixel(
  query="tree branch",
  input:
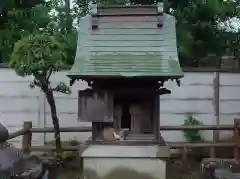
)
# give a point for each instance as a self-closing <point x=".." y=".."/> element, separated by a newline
<point x="49" y="74"/>
<point x="44" y="84"/>
<point x="62" y="88"/>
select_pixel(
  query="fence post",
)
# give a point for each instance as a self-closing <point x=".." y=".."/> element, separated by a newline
<point x="212" y="152"/>
<point x="216" y="98"/>
<point x="236" y="136"/>
<point x="27" y="137"/>
<point x="184" y="158"/>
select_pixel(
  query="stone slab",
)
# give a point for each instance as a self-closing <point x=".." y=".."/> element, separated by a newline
<point x="126" y="151"/>
<point x="121" y="168"/>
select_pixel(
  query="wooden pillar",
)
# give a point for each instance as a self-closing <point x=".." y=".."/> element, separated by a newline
<point x="212" y="152"/>
<point x="156" y="116"/>
<point x="94" y="131"/>
<point x="117" y="117"/>
<point x="216" y="85"/>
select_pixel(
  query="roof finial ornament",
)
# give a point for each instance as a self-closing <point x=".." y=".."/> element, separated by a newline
<point x="160" y="12"/>
<point x="94" y="11"/>
<point x="160" y="7"/>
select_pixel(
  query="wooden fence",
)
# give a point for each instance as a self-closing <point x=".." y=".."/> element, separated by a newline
<point x="27" y="132"/>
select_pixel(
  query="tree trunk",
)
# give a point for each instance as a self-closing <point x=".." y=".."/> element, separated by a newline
<point x="55" y="121"/>
<point x="69" y="17"/>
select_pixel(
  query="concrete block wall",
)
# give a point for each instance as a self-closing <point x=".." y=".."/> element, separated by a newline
<point x="19" y="103"/>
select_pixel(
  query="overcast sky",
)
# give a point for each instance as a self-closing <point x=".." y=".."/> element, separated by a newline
<point x="71" y="2"/>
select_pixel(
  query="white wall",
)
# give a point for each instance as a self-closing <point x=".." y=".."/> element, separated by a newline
<point x="229" y="99"/>
<point x="195" y="95"/>
<point x="19" y="103"/>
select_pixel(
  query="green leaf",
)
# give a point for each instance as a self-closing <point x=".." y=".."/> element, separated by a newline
<point x="192" y="136"/>
<point x="63" y="88"/>
<point x="37" y="54"/>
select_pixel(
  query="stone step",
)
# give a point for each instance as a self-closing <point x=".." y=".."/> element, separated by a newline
<point x="236" y="175"/>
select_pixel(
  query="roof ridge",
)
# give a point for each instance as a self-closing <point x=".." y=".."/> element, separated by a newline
<point x="126" y="6"/>
<point x="127" y="10"/>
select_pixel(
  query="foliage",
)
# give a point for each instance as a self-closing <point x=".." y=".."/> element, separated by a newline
<point x="40" y="55"/>
<point x="192" y="136"/>
<point x="21" y="21"/>
<point x="205" y="42"/>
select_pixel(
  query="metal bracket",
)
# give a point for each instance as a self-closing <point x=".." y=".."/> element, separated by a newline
<point x="94" y="16"/>
<point x="160" y="12"/>
<point x="72" y="80"/>
<point x="163" y="91"/>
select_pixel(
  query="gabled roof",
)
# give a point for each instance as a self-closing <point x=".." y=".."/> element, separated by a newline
<point x="127" y="41"/>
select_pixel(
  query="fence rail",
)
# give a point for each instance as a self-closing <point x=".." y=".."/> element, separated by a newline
<point x="64" y="129"/>
<point x="27" y="132"/>
<point x="197" y="127"/>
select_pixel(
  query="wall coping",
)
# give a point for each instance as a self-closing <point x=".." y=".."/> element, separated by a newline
<point x="185" y="69"/>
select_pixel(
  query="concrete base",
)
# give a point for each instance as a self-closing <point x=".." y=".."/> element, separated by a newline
<point x="124" y="161"/>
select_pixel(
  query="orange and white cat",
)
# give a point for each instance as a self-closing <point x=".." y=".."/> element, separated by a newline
<point x="109" y="134"/>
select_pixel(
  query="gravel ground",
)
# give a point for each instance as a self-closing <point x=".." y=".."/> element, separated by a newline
<point x="175" y="171"/>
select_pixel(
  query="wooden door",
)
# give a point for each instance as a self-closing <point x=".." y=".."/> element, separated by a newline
<point x="95" y="106"/>
<point x="117" y="117"/>
<point x="135" y="111"/>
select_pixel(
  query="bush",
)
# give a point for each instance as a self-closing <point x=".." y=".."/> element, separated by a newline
<point x="195" y="136"/>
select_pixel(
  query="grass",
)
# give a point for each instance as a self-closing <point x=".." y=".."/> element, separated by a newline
<point x="71" y="174"/>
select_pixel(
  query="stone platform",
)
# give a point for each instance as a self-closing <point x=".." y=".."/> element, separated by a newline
<point x="125" y="161"/>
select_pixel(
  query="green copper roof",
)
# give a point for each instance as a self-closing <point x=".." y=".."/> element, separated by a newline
<point x="127" y="65"/>
<point x="128" y="47"/>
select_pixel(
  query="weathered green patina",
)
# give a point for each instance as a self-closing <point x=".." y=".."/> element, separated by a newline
<point x="126" y="65"/>
<point x="127" y="47"/>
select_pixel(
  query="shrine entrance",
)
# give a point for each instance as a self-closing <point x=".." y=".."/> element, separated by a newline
<point x="126" y="116"/>
<point x="133" y="112"/>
